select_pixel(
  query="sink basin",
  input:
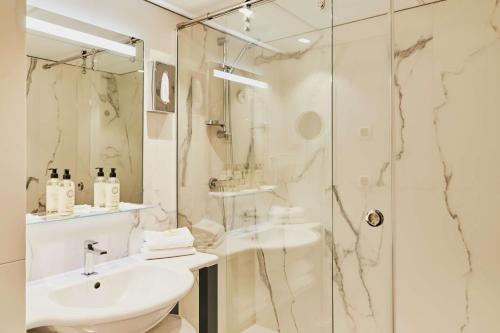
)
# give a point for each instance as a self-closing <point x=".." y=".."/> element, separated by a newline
<point x="130" y="299"/>
<point x="268" y="237"/>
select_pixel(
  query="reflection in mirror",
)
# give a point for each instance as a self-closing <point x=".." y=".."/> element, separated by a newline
<point x="84" y="91"/>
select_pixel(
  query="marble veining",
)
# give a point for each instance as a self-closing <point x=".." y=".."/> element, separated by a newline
<point x="280" y="56"/>
<point x="186" y="144"/>
<point x="293" y="299"/>
<point x="400" y="56"/>
<point x="361" y="261"/>
<point x="32" y="66"/>
<point x="261" y="258"/>
<point x="452" y="90"/>
<point x="448" y="172"/>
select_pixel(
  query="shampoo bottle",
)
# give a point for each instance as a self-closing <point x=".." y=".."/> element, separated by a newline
<point x="112" y="196"/>
<point x="66" y="200"/>
<point x="52" y="193"/>
<point x="100" y="189"/>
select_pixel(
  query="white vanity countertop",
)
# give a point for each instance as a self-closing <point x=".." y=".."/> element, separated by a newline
<point x="193" y="262"/>
<point x="122" y="279"/>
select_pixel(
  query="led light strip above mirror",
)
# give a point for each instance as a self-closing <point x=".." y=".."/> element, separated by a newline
<point x="240" y="79"/>
<point x="40" y="26"/>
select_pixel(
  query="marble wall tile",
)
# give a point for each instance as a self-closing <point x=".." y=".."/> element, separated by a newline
<point x="446" y="193"/>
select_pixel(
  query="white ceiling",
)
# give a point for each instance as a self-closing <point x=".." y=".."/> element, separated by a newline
<point x="200" y="7"/>
<point x="280" y="23"/>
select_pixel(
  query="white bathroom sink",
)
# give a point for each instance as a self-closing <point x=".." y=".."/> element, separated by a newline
<point x="130" y="299"/>
<point x="268" y="236"/>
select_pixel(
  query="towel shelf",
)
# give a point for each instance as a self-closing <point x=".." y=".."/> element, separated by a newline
<point x="262" y="189"/>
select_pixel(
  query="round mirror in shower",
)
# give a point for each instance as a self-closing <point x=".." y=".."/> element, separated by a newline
<point x="309" y="125"/>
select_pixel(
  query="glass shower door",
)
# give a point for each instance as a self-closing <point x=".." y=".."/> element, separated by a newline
<point x="284" y="146"/>
<point x="362" y="168"/>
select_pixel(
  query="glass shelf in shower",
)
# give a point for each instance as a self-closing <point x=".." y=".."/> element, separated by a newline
<point x="252" y="191"/>
<point x="86" y="211"/>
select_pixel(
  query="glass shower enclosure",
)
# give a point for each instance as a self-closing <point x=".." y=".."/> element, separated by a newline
<point x="284" y="145"/>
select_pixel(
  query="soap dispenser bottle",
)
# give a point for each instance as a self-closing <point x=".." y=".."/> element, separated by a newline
<point x="66" y="200"/>
<point x="52" y="193"/>
<point x="112" y="196"/>
<point x="100" y="189"/>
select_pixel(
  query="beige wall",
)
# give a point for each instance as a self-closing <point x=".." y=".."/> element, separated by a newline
<point x="13" y="165"/>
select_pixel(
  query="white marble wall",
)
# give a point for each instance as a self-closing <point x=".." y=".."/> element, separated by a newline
<point x="80" y="122"/>
<point x="447" y="162"/>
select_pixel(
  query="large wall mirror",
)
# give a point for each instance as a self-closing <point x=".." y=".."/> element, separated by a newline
<point x="84" y="87"/>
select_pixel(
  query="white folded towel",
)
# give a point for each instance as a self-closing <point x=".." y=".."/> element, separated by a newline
<point x="168" y="253"/>
<point x="170" y="239"/>
<point x="208" y="234"/>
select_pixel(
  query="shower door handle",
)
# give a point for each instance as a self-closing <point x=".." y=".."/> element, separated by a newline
<point x="374" y="218"/>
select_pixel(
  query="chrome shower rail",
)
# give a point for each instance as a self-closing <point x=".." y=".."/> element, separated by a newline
<point x="222" y="12"/>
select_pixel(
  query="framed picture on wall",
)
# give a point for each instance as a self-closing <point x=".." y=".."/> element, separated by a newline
<point x="163" y="87"/>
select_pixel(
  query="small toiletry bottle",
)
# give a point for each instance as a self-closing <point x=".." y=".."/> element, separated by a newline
<point x="112" y="196"/>
<point x="52" y="193"/>
<point x="100" y="189"/>
<point x="66" y="201"/>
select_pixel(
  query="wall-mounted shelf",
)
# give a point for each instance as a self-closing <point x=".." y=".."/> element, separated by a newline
<point x="252" y="191"/>
<point x="84" y="211"/>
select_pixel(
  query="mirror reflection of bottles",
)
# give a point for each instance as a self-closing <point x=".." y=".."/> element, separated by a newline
<point x="66" y="198"/>
<point x="112" y="193"/>
<point x="52" y="193"/>
<point x="100" y="189"/>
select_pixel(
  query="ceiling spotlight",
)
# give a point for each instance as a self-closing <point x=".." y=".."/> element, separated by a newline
<point x="304" y="40"/>
<point x="246" y="11"/>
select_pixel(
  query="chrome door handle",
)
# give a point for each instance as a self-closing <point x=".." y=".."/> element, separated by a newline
<point x="374" y="218"/>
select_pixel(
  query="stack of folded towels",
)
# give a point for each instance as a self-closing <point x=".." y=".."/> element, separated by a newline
<point x="208" y="234"/>
<point x="167" y="244"/>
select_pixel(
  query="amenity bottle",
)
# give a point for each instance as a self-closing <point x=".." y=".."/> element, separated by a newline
<point x="66" y="199"/>
<point x="112" y="196"/>
<point x="52" y="193"/>
<point x="100" y="189"/>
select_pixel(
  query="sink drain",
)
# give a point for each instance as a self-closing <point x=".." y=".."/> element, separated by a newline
<point x="97" y="285"/>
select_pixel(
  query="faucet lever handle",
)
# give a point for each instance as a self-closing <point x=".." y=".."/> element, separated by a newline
<point x="89" y="244"/>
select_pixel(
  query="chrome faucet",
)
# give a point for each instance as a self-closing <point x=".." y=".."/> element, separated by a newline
<point x="89" y="252"/>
